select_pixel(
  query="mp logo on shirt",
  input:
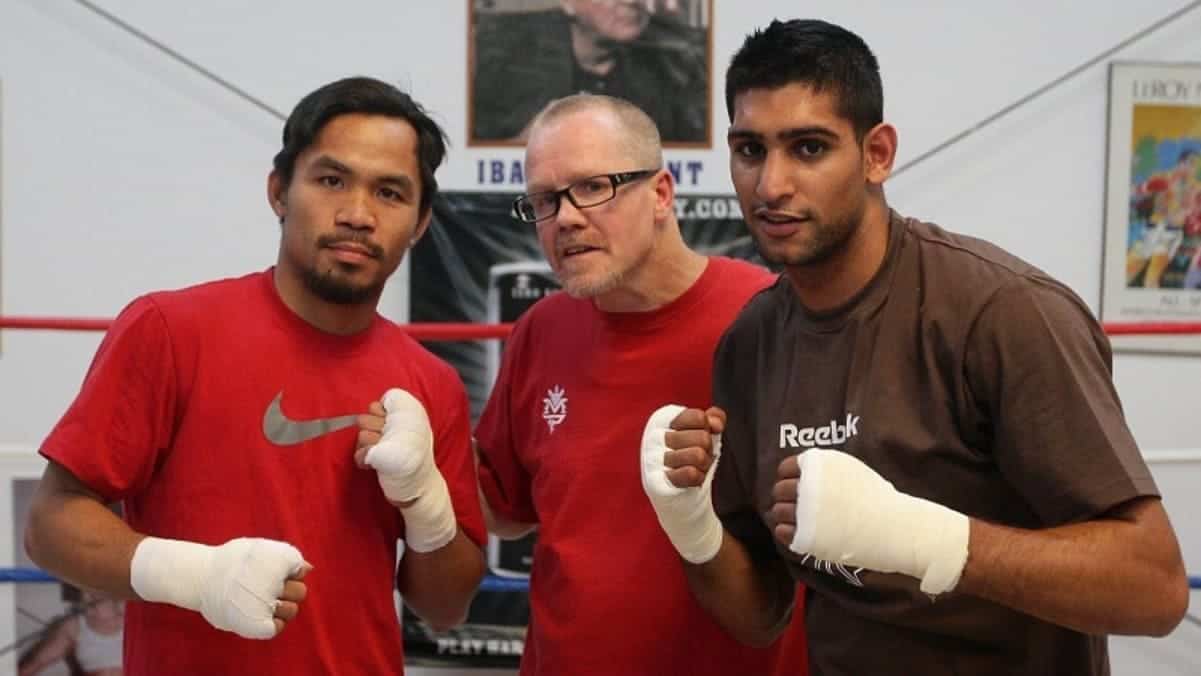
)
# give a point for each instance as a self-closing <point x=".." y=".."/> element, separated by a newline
<point x="554" y="407"/>
<point x="836" y="432"/>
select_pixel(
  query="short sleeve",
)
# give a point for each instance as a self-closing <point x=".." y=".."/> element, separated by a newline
<point x="1039" y="368"/>
<point x="121" y="423"/>
<point x="504" y="480"/>
<point x="452" y="454"/>
<point x="735" y="478"/>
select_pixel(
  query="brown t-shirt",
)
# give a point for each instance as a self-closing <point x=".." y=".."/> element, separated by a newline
<point x="962" y="375"/>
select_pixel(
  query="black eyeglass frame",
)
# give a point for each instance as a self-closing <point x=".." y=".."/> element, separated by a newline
<point x="616" y="180"/>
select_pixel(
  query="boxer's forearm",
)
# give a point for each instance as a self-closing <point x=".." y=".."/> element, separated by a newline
<point x="750" y="600"/>
<point x="440" y="584"/>
<point x="1119" y="574"/>
<point x="72" y="534"/>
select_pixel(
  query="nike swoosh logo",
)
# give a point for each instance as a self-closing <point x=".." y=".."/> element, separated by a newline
<point x="283" y="431"/>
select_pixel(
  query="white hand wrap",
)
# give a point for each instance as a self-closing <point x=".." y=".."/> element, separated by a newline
<point x="235" y="586"/>
<point x="404" y="462"/>
<point x="686" y="514"/>
<point x="847" y="513"/>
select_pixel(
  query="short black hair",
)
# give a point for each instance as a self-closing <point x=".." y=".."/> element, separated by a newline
<point x="367" y="96"/>
<point x="821" y="55"/>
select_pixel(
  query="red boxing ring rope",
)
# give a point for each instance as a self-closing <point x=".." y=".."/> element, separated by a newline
<point x="427" y="331"/>
<point x="477" y="331"/>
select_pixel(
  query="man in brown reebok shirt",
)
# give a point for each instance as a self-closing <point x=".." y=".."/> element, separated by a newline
<point x="918" y="425"/>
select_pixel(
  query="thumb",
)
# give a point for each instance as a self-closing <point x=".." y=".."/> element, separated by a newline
<point x="716" y="419"/>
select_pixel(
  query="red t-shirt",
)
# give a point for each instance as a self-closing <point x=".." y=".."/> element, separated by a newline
<point x="177" y="418"/>
<point x="559" y="443"/>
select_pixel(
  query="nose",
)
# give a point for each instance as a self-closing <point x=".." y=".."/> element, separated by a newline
<point x="776" y="180"/>
<point x="355" y="211"/>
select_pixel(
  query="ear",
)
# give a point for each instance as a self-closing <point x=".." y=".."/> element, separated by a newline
<point x="665" y="195"/>
<point x="879" y="152"/>
<point x="423" y="224"/>
<point x="277" y="195"/>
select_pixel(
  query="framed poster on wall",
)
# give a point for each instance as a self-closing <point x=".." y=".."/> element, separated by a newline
<point x="1152" y="245"/>
<point x="656" y="54"/>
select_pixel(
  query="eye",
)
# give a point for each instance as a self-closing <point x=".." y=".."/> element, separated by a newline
<point x="330" y="181"/>
<point x="391" y="195"/>
<point x="543" y="201"/>
<point x="590" y="187"/>
<point x="810" y="148"/>
<point x="748" y="150"/>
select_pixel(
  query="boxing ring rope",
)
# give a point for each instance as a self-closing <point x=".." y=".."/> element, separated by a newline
<point x="491" y="583"/>
<point x="433" y="331"/>
<point x="438" y="331"/>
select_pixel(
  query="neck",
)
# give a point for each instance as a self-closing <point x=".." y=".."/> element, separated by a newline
<point x="594" y="56"/>
<point x="333" y="318"/>
<point x="831" y="283"/>
<point x="670" y="269"/>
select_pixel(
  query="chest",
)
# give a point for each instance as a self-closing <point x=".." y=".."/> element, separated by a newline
<point x="261" y="404"/>
<point x="588" y="403"/>
<point x="889" y="391"/>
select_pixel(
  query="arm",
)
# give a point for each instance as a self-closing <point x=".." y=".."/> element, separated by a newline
<point x="439" y="585"/>
<point x="502" y="527"/>
<point x="498" y="525"/>
<point x="103" y="448"/>
<point x="504" y="483"/>
<point x="1041" y="366"/>
<point x="441" y="568"/>
<point x="1118" y="574"/>
<point x="752" y="600"/>
<point x="73" y="535"/>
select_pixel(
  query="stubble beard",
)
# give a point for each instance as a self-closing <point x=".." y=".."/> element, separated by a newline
<point x="829" y="239"/>
<point x="580" y="286"/>
<point x="331" y="287"/>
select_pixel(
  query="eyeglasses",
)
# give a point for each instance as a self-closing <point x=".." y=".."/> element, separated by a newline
<point x="584" y="193"/>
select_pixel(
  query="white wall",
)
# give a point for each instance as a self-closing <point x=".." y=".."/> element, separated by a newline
<point x="124" y="171"/>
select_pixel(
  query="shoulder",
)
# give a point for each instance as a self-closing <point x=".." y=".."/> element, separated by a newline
<point x="977" y="264"/>
<point x="972" y="277"/>
<point x="674" y="37"/>
<point x="676" y="49"/>
<point x="969" y="271"/>
<point x="158" y="312"/>
<point x="206" y="298"/>
<point x="730" y="283"/>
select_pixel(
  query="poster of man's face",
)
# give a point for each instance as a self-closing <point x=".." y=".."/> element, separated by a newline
<point x="525" y="53"/>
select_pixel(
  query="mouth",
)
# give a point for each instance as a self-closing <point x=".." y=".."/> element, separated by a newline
<point x="575" y="250"/>
<point x="779" y="223"/>
<point x="352" y="252"/>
